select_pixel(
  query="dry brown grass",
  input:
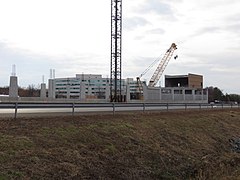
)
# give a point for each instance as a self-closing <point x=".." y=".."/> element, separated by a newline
<point x="151" y="145"/>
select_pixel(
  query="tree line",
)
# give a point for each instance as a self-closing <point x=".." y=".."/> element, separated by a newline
<point x="217" y="95"/>
<point x="30" y="91"/>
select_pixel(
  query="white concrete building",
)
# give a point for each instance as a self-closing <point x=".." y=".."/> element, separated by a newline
<point x="88" y="87"/>
<point x="83" y="86"/>
<point x="175" y="95"/>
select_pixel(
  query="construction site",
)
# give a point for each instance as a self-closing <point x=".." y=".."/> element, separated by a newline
<point x="95" y="88"/>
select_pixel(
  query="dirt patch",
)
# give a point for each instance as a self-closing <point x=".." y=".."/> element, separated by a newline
<point x="151" y="145"/>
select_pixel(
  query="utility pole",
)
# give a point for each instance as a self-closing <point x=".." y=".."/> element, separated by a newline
<point x="116" y="51"/>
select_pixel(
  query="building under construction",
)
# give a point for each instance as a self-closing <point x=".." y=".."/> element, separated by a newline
<point x="180" y="88"/>
<point x="95" y="88"/>
<point x="187" y="81"/>
<point x="90" y="87"/>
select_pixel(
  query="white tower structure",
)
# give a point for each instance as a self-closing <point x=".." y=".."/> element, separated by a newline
<point x="13" y="87"/>
<point x="51" y="92"/>
<point x="43" y="93"/>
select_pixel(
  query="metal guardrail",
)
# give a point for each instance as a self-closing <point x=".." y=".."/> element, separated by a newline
<point x="142" y="106"/>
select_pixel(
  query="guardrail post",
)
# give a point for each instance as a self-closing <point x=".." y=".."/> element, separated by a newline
<point x="144" y="107"/>
<point x="231" y="105"/>
<point x="200" y="106"/>
<point x="167" y="107"/>
<point x="16" y="107"/>
<point x="113" y="104"/>
<point x="73" y="108"/>
<point x="222" y="105"/>
<point x="185" y="107"/>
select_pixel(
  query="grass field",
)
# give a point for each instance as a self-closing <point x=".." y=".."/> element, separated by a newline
<point x="150" y="145"/>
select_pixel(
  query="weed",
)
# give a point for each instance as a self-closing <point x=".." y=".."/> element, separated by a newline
<point x="152" y="145"/>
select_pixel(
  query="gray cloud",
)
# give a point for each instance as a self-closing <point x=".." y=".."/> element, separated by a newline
<point x="156" y="31"/>
<point x="85" y="63"/>
<point x="134" y="22"/>
<point x="225" y="66"/>
<point x="157" y="7"/>
<point x="233" y="18"/>
<point x="205" y="30"/>
<point x="235" y="28"/>
<point x="216" y="3"/>
<point x="31" y="66"/>
<point x="138" y="38"/>
<point x="141" y="63"/>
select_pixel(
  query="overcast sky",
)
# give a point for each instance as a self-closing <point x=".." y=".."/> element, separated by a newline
<point x="73" y="36"/>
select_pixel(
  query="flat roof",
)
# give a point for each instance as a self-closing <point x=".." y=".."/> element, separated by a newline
<point x="180" y="76"/>
<point x="176" y="76"/>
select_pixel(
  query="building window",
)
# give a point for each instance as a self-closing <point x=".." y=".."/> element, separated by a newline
<point x="178" y="91"/>
<point x="198" y="92"/>
<point x="166" y="91"/>
<point x="188" y="91"/>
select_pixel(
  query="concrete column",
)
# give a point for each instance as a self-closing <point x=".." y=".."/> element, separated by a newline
<point x="172" y="94"/>
<point x="127" y="93"/>
<point x="68" y="91"/>
<point x="51" y="89"/>
<point x="194" y="95"/>
<point x="43" y="94"/>
<point x="184" y="97"/>
<point x="82" y="91"/>
<point x="160" y="94"/>
<point x="89" y="89"/>
<point x="13" y="87"/>
<point x="145" y="93"/>
<point x="107" y="93"/>
<point x="207" y="95"/>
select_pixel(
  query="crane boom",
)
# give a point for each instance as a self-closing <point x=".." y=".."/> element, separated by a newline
<point x="162" y="65"/>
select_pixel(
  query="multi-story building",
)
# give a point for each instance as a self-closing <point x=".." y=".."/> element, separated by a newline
<point x="85" y="87"/>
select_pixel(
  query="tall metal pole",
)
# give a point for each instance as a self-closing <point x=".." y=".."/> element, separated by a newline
<point x="116" y="51"/>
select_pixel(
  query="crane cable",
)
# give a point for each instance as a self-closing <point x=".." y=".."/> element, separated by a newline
<point x="150" y="66"/>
